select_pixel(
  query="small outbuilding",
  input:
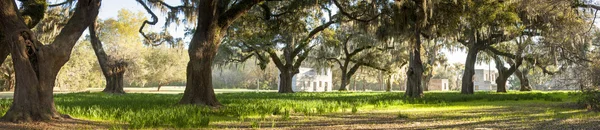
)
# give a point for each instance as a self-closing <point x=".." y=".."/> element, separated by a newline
<point x="312" y="80"/>
<point x="438" y="85"/>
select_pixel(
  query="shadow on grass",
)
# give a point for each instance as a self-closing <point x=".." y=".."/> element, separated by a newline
<point x="160" y="110"/>
<point x="62" y="124"/>
<point x="495" y="118"/>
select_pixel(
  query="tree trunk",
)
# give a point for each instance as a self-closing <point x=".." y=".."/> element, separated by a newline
<point x="112" y="69"/>
<point x="388" y="85"/>
<point x="114" y="82"/>
<point x="501" y="83"/>
<point x="523" y="79"/>
<point x="469" y="72"/>
<point x="37" y="65"/>
<point x="414" y="74"/>
<point x="426" y="79"/>
<point x="504" y="73"/>
<point x="213" y="20"/>
<point x="159" y="85"/>
<point x="345" y="82"/>
<point x="285" y="82"/>
<point x="202" y="50"/>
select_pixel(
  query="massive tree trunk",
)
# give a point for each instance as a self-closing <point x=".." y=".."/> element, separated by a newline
<point x="112" y="69"/>
<point x="203" y="48"/>
<point x="523" y="79"/>
<point x="504" y="73"/>
<point x="414" y="74"/>
<point x="469" y="72"/>
<point x="37" y="65"/>
<point x="285" y="82"/>
<point x="214" y="17"/>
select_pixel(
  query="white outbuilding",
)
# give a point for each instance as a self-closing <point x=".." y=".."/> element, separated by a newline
<point x="312" y="80"/>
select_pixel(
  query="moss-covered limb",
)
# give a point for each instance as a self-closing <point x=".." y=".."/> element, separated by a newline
<point x="33" y="11"/>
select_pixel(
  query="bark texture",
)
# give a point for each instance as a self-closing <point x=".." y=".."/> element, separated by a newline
<point x="504" y="73"/>
<point x="214" y="17"/>
<point x="414" y="74"/>
<point x="36" y="65"/>
<point x="414" y="86"/>
<point x="113" y="69"/>
<point x="522" y="75"/>
<point x="469" y="72"/>
<point x="285" y="83"/>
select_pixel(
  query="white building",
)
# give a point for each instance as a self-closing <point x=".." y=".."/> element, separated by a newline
<point x="485" y="80"/>
<point x="438" y="85"/>
<point x="311" y="80"/>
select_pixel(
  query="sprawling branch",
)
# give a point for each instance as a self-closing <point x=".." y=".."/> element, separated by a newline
<point x="356" y="51"/>
<point x="66" y="2"/>
<point x="275" y="58"/>
<point x="302" y="57"/>
<point x="304" y="43"/>
<point x="236" y="11"/>
<point x="85" y="14"/>
<point x="268" y="14"/>
<point x="343" y="12"/>
<point x="590" y="6"/>
<point x="180" y="7"/>
<point x="528" y="59"/>
<point x="153" y="22"/>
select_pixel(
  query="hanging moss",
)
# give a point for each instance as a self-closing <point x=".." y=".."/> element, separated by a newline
<point x="33" y="11"/>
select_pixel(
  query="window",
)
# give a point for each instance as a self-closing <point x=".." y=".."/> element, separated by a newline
<point x="314" y="86"/>
<point x="326" y="86"/>
<point x="325" y="71"/>
<point x="320" y="84"/>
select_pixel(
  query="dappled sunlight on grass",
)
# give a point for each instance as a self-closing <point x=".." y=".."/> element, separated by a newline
<point x="252" y="109"/>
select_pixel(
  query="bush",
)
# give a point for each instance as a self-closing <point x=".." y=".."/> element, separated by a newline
<point x="591" y="100"/>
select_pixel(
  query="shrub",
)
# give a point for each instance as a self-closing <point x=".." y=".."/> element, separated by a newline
<point x="591" y="100"/>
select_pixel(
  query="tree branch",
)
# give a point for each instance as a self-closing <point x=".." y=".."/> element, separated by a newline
<point x="310" y="35"/>
<point x="343" y="12"/>
<point x="61" y="4"/>
<point x="153" y="22"/>
<point x="236" y="11"/>
<point x="85" y="13"/>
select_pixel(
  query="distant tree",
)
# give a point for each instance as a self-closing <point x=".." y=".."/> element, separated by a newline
<point x="164" y="65"/>
<point x="122" y="47"/>
<point x="349" y="48"/>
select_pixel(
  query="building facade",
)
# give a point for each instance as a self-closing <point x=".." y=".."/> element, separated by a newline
<point x="484" y="80"/>
<point x="312" y="80"/>
<point x="438" y="85"/>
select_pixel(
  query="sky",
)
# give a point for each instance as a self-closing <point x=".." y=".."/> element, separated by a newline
<point x="110" y="8"/>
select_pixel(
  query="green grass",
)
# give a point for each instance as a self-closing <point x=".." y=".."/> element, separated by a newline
<point x="161" y="111"/>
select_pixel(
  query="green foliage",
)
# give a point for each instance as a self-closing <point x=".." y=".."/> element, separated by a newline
<point x="81" y="71"/>
<point x="591" y="100"/>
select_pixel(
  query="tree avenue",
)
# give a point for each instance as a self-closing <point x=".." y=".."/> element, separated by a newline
<point x="399" y="42"/>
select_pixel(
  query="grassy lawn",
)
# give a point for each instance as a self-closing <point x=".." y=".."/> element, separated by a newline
<point x="336" y="110"/>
